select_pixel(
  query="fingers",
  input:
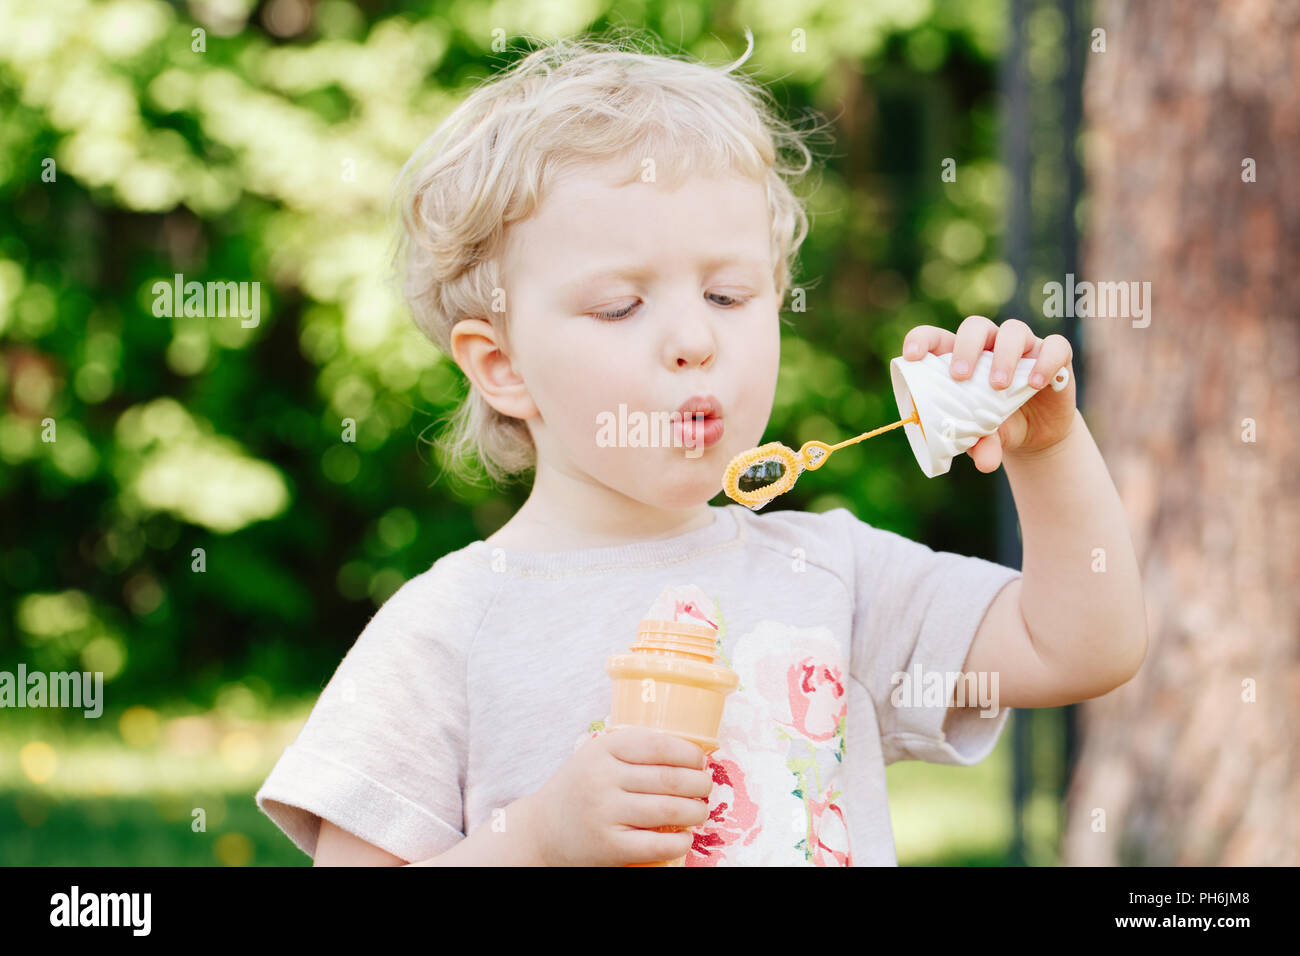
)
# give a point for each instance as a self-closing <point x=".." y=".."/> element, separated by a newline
<point x="648" y="846"/>
<point x="927" y="338"/>
<point x="640" y="745"/>
<point x="645" y="810"/>
<point x="1055" y="355"/>
<point x="1015" y="340"/>
<point x="987" y="453"/>
<point x="673" y="781"/>
<point x="974" y="335"/>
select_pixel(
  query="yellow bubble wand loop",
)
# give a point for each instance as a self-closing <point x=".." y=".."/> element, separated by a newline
<point x="772" y="469"/>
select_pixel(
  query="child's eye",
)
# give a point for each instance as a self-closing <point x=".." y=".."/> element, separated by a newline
<point x="731" y="303"/>
<point x="613" y="316"/>
<point x="734" y="300"/>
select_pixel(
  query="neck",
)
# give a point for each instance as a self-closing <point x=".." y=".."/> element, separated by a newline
<point x="569" y="511"/>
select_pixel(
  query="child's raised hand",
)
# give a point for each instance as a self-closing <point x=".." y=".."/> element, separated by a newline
<point x="600" y="807"/>
<point x="1040" y="422"/>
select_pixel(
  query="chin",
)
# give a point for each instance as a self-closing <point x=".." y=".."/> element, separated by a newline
<point x="669" y="494"/>
<point x="688" y="493"/>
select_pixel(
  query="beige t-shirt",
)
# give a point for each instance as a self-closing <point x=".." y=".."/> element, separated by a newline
<point x="479" y="678"/>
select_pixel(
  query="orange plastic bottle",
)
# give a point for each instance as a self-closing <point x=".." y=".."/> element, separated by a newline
<point x="670" y="681"/>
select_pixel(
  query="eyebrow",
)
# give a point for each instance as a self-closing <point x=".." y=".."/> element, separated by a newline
<point x="642" y="272"/>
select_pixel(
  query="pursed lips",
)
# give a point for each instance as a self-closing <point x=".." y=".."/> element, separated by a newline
<point x="700" y="407"/>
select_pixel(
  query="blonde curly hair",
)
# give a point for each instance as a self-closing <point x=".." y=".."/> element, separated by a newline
<point x="570" y="104"/>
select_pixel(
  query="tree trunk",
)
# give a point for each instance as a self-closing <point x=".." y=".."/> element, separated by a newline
<point x="1195" y="761"/>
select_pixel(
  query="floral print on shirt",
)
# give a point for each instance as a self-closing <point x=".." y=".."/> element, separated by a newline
<point x="776" y="798"/>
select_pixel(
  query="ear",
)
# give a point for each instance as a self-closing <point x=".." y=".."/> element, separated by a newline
<point x="476" y="348"/>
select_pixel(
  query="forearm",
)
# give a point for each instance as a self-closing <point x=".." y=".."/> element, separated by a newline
<point x="1081" y="592"/>
<point x="510" y="844"/>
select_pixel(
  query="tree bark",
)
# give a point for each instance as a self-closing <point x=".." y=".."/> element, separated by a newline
<point x="1187" y="767"/>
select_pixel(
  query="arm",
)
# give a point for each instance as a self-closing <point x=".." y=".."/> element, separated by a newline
<point x="484" y="847"/>
<point x="1072" y="627"/>
<point x="1066" y="631"/>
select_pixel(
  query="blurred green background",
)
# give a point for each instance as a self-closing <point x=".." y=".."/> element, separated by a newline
<point x="265" y="149"/>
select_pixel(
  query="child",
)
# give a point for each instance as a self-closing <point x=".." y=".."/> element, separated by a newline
<point x="600" y="233"/>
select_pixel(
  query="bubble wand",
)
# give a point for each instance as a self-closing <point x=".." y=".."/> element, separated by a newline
<point x="947" y="418"/>
<point x="757" y="476"/>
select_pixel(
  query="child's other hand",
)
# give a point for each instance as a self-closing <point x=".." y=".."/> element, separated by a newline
<point x="1040" y="422"/>
<point x="600" y="807"/>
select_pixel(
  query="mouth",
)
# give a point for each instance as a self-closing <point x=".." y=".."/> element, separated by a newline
<point x="699" y="423"/>
<point x="700" y="406"/>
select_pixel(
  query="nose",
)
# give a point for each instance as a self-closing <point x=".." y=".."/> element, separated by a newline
<point x="684" y="361"/>
<point x="690" y="341"/>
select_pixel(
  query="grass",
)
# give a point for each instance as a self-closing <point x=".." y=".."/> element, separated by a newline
<point x="963" y="816"/>
<point x="142" y="788"/>
<point x="952" y="816"/>
<point x="139" y="831"/>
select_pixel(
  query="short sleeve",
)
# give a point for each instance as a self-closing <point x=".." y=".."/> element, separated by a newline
<point x="916" y="612"/>
<point x="383" y="751"/>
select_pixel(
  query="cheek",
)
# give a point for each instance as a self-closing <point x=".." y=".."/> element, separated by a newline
<point x="769" y="349"/>
<point x="549" y="358"/>
<point x="573" y="377"/>
<point x="762" y="360"/>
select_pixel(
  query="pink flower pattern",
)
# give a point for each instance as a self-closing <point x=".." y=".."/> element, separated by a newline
<point x="776" y="799"/>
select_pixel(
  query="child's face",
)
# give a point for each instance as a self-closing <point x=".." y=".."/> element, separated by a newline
<point x="695" y="326"/>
